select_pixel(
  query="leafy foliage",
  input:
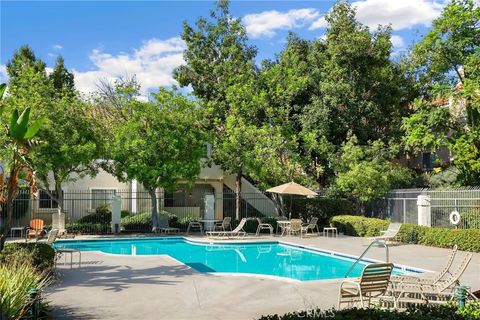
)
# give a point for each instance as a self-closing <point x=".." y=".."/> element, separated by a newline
<point x="40" y="255"/>
<point x="359" y="226"/>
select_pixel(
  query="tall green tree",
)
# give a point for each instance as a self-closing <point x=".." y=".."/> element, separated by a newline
<point x="70" y="133"/>
<point x="323" y="90"/>
<point x="158" y="143"/>
<point x="447" y="63"/>
<point x="221" y="70"/>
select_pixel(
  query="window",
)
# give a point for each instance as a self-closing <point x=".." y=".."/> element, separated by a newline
<point x="45" y="201"/>
<point x="101" y="197"/>
<point x="428" y="160"/>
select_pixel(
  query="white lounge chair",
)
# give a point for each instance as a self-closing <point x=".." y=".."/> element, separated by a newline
<point x="237" y="232"/>
<point x="389" y="235"/>
<point x="373" y="284"/>
<point x="440" y="292"/>
<point x="439" y="277"/>
<point x="263" y="226"/>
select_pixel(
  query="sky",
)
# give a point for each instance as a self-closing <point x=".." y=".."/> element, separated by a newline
<point x="108" y="39"/>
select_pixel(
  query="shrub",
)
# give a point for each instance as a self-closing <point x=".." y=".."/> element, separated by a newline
<point x="323" y="208"/>
<point x="471" y="218"/>
<point x="359" y="226"/>
<point x="102" y="215"/>
<point x="40" y="256"/>
<point x="17" y="278"/>
<point x="124" y="213"/>
<point x="422" y="312"/>
<point x="471" y="310"/>
<point x="465" y="239"/>
<point x="143" y="222"/>
<point x="88" y="227"/>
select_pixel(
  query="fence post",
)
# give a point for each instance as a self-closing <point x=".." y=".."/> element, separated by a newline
<point x="116" y="213"/>
<point x="424" y="211"/>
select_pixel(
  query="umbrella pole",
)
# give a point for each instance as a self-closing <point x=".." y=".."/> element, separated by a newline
<point x="290" y="213"/>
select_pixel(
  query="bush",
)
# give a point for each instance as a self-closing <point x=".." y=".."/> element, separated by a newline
<point x="465" y="239"/>
<point x="40" y="256"/>
<point x="359" y="226"/>
<point x="124" y="213"/>
<point x="143" y="222"/>
<point x="422" y="312"/>
<point x="102" y="215"/>
<point x="323" y="208"/>
<point x="471" y="218"/>
<point x="17" y="278"/>
<point x="88" y="228"/>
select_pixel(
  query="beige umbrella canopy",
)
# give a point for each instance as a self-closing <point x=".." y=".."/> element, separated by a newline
<point x="292" y="188"/>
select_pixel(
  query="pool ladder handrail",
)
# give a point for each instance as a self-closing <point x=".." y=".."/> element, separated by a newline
<point x="381" y="242"/>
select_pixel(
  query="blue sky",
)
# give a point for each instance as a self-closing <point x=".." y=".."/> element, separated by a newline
<point x="107" y="39"/>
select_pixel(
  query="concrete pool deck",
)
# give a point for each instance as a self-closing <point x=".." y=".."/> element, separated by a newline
<point x="158" y="287"/>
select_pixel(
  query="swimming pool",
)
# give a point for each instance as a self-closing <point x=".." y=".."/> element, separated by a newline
<point x="267" y="258"/>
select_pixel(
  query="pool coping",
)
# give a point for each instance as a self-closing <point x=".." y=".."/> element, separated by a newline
<point x="341" y="255"/>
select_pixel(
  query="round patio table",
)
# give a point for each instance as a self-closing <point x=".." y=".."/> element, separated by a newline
<point x="283" y="224"/>
<point x="209" y="224"/>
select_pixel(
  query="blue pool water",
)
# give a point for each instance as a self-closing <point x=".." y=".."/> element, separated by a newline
<point x="273" y="258"/>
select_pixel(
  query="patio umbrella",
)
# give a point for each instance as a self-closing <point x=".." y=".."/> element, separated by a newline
<point x="292" y="188"/>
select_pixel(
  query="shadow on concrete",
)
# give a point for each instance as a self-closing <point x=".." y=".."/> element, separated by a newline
<point x="119" y="277"/>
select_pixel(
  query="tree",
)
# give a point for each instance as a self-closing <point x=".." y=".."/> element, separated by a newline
<point x="368" y="172"/>
<point x="221" y="70"/>
<point x="447" y="63"/>
<point x="322" y="90"/>
<point x="16" y="146"/>
<point x="158" y="143"/>
<point x="71" y="138"/>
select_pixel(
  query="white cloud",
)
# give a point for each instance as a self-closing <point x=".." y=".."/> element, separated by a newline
<point x="57" y="47"/>
<point x="152" y="64"/>
<point x="3" y="73"/>
<point x="397" y="42"/>
<point x="320" y="23"/>
<point x="401" y="14"/>
<point x="265" y="24"/>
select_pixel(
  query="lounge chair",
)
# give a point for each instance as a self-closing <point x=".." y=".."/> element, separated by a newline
<point x="237" y="232"/>
<point x="439" y="277"/>
<point x="263" y="226"/>
<point x="389" y="235"/>
<point x="224" y="225"/>
<point x="312" y="225"/>
<point x="295" y="227"/>
<point x="36" y="229"/>
<point x="373" y="283"/>
<point x="163" y="225"/>
<point x="52" y="236"/>
<point x="440" y="292"/>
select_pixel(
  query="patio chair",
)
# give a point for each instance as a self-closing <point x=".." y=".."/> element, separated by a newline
<point x="163" y="225"/>
<point x="195" y="224"/>
<point x="440" y="292"/>
<point x="373" y="284"/>
<point x="438" y="277"/>
<point x="312" y="225"/>
<point x="225" y="225"/>
<point x="237" y="232"/>
<point x="389" y="235"/>
<point x="295" y="227"/>
<point x="52" y="236"/>
<point x="263" y="226"/>
<point x="36" y="229"/>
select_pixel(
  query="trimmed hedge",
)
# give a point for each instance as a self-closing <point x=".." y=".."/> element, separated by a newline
<point x="41" y="255"/>
<point x="465" y="239"/>
<point x="421" y="312"/>
<point x="143" y="222"/>
<point x="359" y="226"/>
<point x="88" y="228"/>
<point x="322" y="208"/>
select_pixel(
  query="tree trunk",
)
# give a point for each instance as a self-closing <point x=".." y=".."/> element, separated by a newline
<point x="11" y="192"/>
<point x="238" y="199"/>
<point x="59" y="193"/>
<point x="153" y="197"/>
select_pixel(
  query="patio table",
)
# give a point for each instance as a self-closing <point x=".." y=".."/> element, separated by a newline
<point x="209" y="224"/>
<point x="283" y="224"/>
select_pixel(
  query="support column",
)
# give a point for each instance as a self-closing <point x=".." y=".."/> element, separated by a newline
<point x="134" y="197"/>
<point x="218" y="186"/>
<point x="58" y="221"/>
<point x="116" y="213"/>
<point x="424" y="211"/>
